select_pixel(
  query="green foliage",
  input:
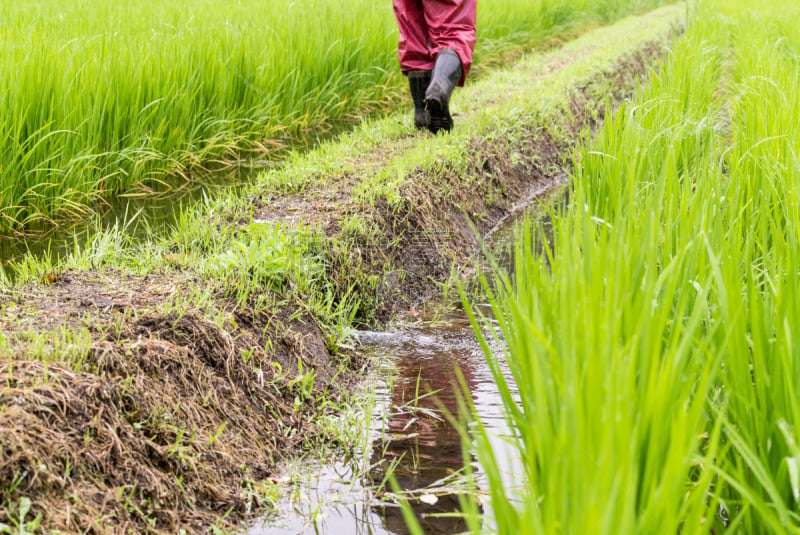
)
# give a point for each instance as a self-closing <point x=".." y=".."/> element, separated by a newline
<point x="653" y="341"/>
<point x="104" y="97"/>
<point x="19" y="523"/>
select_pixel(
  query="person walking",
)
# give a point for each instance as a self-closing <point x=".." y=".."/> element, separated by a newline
<point x="437" y="38"/>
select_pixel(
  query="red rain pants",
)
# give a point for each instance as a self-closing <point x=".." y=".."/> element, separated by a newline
<point x="428" y="26"/>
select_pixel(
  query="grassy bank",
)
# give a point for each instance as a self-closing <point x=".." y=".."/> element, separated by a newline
<point x="196" y="360"/>
<point x="655" y="343"/>
<point x="105" y="98"/>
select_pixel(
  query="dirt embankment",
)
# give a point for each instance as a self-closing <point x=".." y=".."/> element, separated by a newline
<point x="173" y="420"/>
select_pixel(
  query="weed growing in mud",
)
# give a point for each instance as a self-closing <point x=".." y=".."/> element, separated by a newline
<point x="71" y="346"/>
<point x="262" y="258"/>
<point x="260" y="496"/>
<point x="20" y="525"/>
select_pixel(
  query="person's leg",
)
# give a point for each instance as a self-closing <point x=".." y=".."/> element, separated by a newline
<point x="451" y="27"/>
<point x="445" y="76"/>
<point x="414" y="52"/>
<point x="414" y="48"/>
<point x="418" y="82"/>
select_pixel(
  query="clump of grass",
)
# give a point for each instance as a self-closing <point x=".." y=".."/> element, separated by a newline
<point x="653" y="341"/>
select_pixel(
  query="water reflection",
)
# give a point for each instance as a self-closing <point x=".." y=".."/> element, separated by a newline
<point x="421" y="444"/>
<point x="422" y="447"/>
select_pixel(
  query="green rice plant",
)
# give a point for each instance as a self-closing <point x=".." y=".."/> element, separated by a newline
<point x="108" y="98"/>
<point x="653" y="341"/>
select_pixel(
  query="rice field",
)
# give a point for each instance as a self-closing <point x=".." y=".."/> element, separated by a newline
<point x="107" y="98"/>
<point x="655" y="342"/>
<point x="651" y="338"/>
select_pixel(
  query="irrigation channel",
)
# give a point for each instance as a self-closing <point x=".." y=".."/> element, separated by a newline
<point x="150" y="213"/>
<point x="415" y="383"/>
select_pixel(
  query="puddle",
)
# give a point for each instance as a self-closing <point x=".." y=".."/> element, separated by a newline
<point x="414" y="384"/>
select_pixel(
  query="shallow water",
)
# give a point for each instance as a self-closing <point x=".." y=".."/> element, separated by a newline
<point x="154" y="214"/>
<point x="414" y="437"/>
<point x="143" y="217"/>
<point x="424" y="448"/>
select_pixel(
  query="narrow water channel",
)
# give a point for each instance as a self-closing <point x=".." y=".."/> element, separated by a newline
<point x="415" y="384"/>
<point x="155" y="210"/>
<point x="410" y="435"/>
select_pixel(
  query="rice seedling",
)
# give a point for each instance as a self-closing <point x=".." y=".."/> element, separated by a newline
<point x="654" y="340"/>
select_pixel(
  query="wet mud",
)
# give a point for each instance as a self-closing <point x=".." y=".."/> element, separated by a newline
<point x="169" y="426"/>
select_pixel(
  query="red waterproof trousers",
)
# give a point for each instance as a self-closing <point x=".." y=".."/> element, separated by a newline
<point x="428" y="26"/>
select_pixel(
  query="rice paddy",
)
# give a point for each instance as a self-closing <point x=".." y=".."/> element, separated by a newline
<point x="102" y="99"/>
<point x="154" y="382"/>
<point x="654" y="342"/>
<point x="651" y="338"/>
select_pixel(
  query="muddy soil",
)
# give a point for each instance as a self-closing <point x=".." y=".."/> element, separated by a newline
<point x="164" y="420"/>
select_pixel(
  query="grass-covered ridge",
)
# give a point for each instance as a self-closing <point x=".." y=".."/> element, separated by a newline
<point x="101" y="98"/>
<point x="655" y="344"/>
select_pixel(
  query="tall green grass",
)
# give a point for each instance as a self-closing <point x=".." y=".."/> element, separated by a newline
<point x="101" y="98"/>
<point x="656" y="344"/>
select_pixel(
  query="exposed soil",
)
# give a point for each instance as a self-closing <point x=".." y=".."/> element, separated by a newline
<point x="173" y="420"/>
<point x="169" y="426"/>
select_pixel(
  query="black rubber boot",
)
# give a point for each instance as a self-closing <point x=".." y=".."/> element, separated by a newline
<point x="419" y="81"/>
<point x="444" y="78"/>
